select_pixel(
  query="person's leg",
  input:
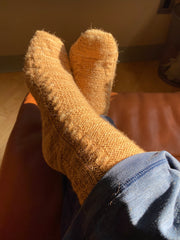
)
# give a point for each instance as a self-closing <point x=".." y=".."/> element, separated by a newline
<point x="76" y="141"/>
<point x="93" y="59"/>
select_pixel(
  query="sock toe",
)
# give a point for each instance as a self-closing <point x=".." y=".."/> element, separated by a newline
<point x="93" y="59"/>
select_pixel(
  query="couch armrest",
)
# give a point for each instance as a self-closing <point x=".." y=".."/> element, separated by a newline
<point x="152" y="120"/>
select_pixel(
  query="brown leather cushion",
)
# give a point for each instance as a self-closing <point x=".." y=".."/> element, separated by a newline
<point x="152" y="120"/>
<point x="31" y="192"/>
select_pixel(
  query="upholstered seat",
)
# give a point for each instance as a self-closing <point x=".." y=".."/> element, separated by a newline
<point x="32" y="196"/>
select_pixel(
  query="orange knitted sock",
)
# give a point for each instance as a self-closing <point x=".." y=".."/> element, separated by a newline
<point x="76" y="141"/>
<point x="93" y="59"/>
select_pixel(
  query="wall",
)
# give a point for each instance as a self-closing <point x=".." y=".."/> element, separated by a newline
<point x="132" y="22"/>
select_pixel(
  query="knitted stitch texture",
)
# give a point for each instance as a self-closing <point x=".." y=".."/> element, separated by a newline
<point x="93" y="59"/>
<point x="76" y="141"/>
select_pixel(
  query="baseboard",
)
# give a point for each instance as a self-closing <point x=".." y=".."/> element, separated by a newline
<point x="126" y="54"/>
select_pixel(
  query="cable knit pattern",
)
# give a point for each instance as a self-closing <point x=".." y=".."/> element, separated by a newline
<point x="76" y="141"/>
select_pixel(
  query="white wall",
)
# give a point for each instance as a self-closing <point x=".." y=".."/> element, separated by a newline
<point x="132" y="22"/>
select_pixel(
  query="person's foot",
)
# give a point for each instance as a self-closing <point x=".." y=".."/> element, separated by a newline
<point x="76" y="141"/>
<point x="93" y="58"/>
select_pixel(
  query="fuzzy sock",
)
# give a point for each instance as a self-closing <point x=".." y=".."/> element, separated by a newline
<point x="93" y="59"/>
<point x="76" y="141"/>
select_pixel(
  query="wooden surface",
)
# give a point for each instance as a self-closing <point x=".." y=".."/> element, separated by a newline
<point x="140" y="77"/>
<point x="12" y="93"/>
<point x="131" y="77"/>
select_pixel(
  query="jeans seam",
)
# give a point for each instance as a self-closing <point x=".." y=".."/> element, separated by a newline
<point x="142" y="173"/>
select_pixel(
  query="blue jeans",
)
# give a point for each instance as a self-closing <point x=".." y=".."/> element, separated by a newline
<point x="139" y="198"/>
<point x="108" y="119"/>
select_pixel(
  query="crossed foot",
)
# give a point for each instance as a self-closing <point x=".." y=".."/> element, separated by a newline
<point x="71" y="94"/>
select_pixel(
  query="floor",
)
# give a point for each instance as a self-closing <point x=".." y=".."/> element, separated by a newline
<point x="140" y="77"/>
<point x="130" y="77"/>
<point x="12" y="92"/>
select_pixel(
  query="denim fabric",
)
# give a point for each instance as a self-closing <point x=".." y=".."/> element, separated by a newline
<point x="139" y="198"/>
<point x="108" y="119"/>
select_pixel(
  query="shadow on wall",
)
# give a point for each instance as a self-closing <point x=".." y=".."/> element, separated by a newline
<point x="131" y="22"/>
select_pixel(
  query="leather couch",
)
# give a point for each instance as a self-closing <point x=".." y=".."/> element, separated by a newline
<point x="32" y="193"/>
<point x="152" y="120"/>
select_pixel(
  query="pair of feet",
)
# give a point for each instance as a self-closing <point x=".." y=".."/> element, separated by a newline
<point x="76" y="141"/>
